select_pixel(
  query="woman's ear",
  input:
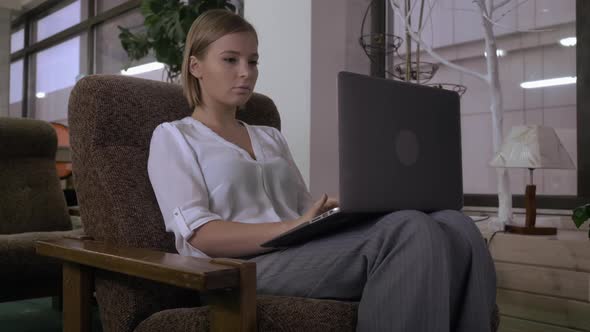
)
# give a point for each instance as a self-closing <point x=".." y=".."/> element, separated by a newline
<point x="194" y="67"/>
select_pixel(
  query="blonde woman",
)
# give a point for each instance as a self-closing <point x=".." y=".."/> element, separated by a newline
<point x="224" y="187"/>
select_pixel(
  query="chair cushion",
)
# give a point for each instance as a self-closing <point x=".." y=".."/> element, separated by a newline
<point x="31" y="199"/>
<point x="274" y="313"/>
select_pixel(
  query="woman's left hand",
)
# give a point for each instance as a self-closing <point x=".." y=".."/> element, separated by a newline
<point x="329" y="205"/>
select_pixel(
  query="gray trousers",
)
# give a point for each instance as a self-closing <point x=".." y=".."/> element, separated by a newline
<point x="409" y="270"/>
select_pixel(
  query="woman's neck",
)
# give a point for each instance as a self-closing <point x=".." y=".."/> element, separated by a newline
<point x="215" y="117"/>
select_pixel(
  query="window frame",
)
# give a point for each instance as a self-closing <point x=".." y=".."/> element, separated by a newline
<point x="543" y="201"/>
<point x="86" y="27"/>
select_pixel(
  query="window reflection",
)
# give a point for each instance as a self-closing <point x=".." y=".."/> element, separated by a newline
<point x="56" y="71"/>
<point x="16" y="89"/>
<point x="58" y="20"/>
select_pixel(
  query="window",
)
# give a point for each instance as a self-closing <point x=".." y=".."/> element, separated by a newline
<point x="58" y="21"/>
<point x="110" y="55"/>
<point x="528" y="56"/>
<point x="17" y="40"/>
<point x="16" y="89"/>
<point x="56" y="70"/>
<point x="104" y="5"/>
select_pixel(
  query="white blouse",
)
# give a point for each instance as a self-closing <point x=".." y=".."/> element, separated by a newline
<point x="198" y="177"/>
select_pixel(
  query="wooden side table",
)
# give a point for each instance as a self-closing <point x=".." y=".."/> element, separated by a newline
<point x="543" y="281"/>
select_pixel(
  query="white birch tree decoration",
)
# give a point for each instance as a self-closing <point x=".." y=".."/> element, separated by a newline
<point x="486" y="9"/>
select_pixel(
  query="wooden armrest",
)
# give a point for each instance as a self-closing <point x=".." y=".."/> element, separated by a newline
<point x="188" y="272"/>
<point x="233" y="282"/>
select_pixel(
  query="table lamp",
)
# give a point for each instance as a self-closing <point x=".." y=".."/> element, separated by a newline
<point x="532" y="147"/>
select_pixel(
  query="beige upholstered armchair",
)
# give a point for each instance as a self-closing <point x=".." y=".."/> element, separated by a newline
<point x="32" y="208"/>
<point x="141" y="283"/>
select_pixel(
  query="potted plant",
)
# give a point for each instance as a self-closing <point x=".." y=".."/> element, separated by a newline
<point x="166" y="24"/>
<point x="580" y="215"/>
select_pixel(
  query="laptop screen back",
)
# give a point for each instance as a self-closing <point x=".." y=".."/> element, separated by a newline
<point x="399" y="146"/>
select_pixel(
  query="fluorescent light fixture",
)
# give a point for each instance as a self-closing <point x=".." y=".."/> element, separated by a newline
<point x="548" y="82"/>
<point x="499" y="52"/>
<point x="569" y="41"/>
<point x="40" y="95"/>
<point x="143" y="68"/>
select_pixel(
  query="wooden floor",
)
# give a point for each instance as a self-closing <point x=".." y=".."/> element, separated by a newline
<point x="543" y="281"/>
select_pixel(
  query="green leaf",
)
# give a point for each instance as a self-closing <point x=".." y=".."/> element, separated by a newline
<point x="166" y="23"/>
<point x="580" y="215"/>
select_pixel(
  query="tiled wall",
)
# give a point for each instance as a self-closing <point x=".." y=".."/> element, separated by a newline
<point x="530" y="56"/>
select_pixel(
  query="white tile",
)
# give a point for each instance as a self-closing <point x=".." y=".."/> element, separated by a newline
<point x="511" y="119"/>
<point x="533" y="116"/>
<point x="476" y="137"/>
<point x="558" y="96"/>
<point x="530" y="39"/>
<point x="467" y="22"/>
<point x="525" y="15"/>
<point x="560" y="117"/>
<point x="553" y="35"/>
<point x="560" y="182"/>
<point x="552" y="12"/>
<point x="507" y="20"/>
<point x="511" y="75"/>
<point x="477" y="97"/>
<point x="442" y="17"/>
<point x="533" y="70"/>
<point x="559" y="61"/>
<point x="470" y="50"/>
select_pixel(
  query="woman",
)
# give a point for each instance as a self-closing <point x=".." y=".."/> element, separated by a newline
<point x="224" y="187"/>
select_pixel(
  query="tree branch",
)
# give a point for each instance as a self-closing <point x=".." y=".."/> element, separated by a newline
<point x="430" y="51"/>
<point x="518" y="4"/>
<point x="500" y="5"/>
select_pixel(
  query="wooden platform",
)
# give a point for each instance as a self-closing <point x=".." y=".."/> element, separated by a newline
<point x="543" y="281"/>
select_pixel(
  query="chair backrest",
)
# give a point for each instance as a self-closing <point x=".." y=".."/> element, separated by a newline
<point x="111" y="122"/>
<point x="31" y="199"/>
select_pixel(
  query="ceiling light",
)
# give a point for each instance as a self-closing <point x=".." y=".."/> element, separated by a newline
<point x="569" y="41"/>
<point x="499" y="52"/>
<point x="548" y="82"/>
<point x="143" y="68"/>
<point x="40" y="95"/>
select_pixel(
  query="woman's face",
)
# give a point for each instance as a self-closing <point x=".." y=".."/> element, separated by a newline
<point x="227" y="73"/>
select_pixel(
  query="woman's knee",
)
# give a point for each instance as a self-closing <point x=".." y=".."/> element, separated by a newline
<point x="416" y="223"/>
<point x="456" y="220"/>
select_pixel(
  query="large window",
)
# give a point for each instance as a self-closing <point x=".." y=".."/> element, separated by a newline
<point x="17" y="40"/>
<point x="529" y="35"/>
<point x="53" y="45"/>
<point x="16" y="89"/>
<point x="56" y="71"/>
<point x="58" y="21"/>
<point x="111" y="58"/>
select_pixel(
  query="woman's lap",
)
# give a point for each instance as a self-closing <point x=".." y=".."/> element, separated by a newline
<point x="330" y="267"/>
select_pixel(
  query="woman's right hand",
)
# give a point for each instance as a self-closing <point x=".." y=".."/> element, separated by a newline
<point x="320" y="206"/>
<point x="315" y="210"/>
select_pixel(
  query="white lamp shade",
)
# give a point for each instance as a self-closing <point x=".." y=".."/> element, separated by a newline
<point x="532" y="147"/>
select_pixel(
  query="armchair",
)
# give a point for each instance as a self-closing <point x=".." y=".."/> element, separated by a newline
<point x="32" y="208"/>
<point x="141" y="283"/>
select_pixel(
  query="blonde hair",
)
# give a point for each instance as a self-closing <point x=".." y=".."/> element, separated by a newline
<point x="207" y="28"/>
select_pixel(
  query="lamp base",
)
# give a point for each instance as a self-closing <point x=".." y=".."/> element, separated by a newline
<point x="530" y="230"/>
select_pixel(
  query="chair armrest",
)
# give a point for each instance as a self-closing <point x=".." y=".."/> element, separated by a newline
<point x="188" y="272"/>
<point x="232" y="281"/>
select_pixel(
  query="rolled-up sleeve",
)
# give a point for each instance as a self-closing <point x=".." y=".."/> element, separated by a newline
<point x="179" y="186"/>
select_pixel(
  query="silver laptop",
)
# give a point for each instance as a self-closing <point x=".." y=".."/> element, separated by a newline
<point x="400" y="149"/>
